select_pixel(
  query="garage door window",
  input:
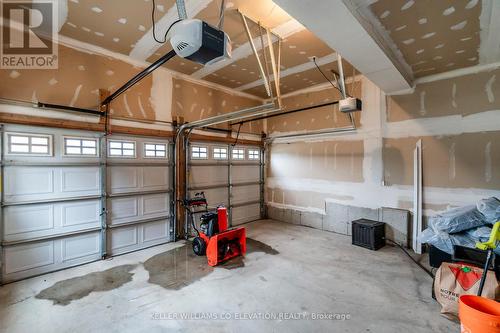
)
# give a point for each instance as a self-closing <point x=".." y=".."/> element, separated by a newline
<point x="155" y="150"/>
<point x="29" y="144"/>
<point x="253" y="154"/>
<point x="220" y="153"/>
<point x="122" y="149"/>
<point x="238" y="154"/>
<point x="80" y="147"/>
<point x="199" y="152"/>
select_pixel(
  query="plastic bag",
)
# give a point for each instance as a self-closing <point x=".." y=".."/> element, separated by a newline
<point x="457" y="219"/>
<point x="445" y="241"/>
<point x="480" y="234"/>
<point x="490" y="208"/>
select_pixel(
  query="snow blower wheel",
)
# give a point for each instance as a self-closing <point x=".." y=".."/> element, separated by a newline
<point x="199" y="246"/>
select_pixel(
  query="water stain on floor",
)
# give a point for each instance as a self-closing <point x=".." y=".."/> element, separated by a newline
<point x="180" y="267"/>
<point x="177" y="268"/>
<point x="63" y="292"/>
<point x="173" y="269"/>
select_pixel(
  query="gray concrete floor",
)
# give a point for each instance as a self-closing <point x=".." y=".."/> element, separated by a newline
<point x="315" y="272"/>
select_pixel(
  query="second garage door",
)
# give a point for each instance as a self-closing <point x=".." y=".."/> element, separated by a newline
<point x="228" y="175"/>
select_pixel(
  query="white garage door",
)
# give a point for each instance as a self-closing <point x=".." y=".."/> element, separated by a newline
<point x="51" y="200"/>
<point x="54" y="199"/>
<point x="228" y="175"/>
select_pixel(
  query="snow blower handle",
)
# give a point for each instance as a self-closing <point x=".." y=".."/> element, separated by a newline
<point x="489" y="246"/>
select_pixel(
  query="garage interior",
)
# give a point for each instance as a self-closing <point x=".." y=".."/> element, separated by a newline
<point x="307" y="124"/>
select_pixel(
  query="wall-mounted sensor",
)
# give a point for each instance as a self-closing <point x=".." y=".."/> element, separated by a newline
<point x="350" y="104"/>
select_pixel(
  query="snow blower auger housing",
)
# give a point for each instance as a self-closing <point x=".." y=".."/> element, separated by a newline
<point x="214" y="239"/>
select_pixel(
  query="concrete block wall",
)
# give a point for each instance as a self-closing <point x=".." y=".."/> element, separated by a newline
<point x="338" y="218"/>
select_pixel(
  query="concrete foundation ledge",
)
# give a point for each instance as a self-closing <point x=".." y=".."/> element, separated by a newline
<point x="338" y="218"/>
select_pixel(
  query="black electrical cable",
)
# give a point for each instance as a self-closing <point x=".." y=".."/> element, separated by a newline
<point x="319" y="69"/>
<point x="413" y="259"/>
<point x="154" y="24"/>
<point x="237" y="135"/>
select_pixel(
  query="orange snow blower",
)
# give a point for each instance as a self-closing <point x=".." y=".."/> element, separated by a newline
<point x="215" y="239"/>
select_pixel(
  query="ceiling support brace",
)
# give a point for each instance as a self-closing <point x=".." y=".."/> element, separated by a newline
<point x="181" y="9"/>
<point x="266" y="63"/>
<point x="341" y="76"/>
<point x="276" y="70"/>
<point x="220" y="25"/>
<point x="250" y="40"/>
<point x="278" y="65"/>
<point x="275" y="61"/>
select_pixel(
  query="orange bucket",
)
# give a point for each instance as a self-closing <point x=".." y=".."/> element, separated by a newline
<point x="478" y="314"/>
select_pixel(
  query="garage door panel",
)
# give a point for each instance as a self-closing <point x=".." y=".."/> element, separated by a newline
<point x="155" y="205"/>
<point x="80" y="213"/>
<point x="24" y="257"/>
<point x="208" y="175"/>
<point x="135" y="237"/>
<point x="80" y="180"/>
<point x="136" y="208"/>
<point x="245" y="173"/>
<point x="31" y="184"/>
<point x="247" y="213"/>
<point x="81" y="246"/>
<point x="123" y="209"/>
<point x="123" y="237"/>
<point x="19" y="219"/>
<point x="247" y="193"/>
<point x="31" y="259"/>
<point x="27" y="182"/>
<point x="154" y="231"/>
<point x="123" y="179"/>
<point x="40" y="220"/>
<point x="155" y="178"/>
<point x="215" y="196"/>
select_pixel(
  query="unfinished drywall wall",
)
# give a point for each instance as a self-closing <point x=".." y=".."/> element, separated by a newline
<point x="317" y="118"/>
<point x="464" y="95"/>
<point x="469" y="160"/>
<point x="461" y="150"/>
<point x="331" y="160"/>
<point x="193" y="101"/>
<point x="77" y="82"/>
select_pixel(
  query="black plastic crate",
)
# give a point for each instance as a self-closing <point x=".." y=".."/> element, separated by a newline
<point x="368" y="234"/>
<point x="437" y="257"/>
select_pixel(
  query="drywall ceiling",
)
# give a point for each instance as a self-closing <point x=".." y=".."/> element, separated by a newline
<point x="114" y="25"/>
<point x="433" y="36"/>
<point x="336" y="24"/>
<point x="392" y="42"/>
<point x="124" y="26"/>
